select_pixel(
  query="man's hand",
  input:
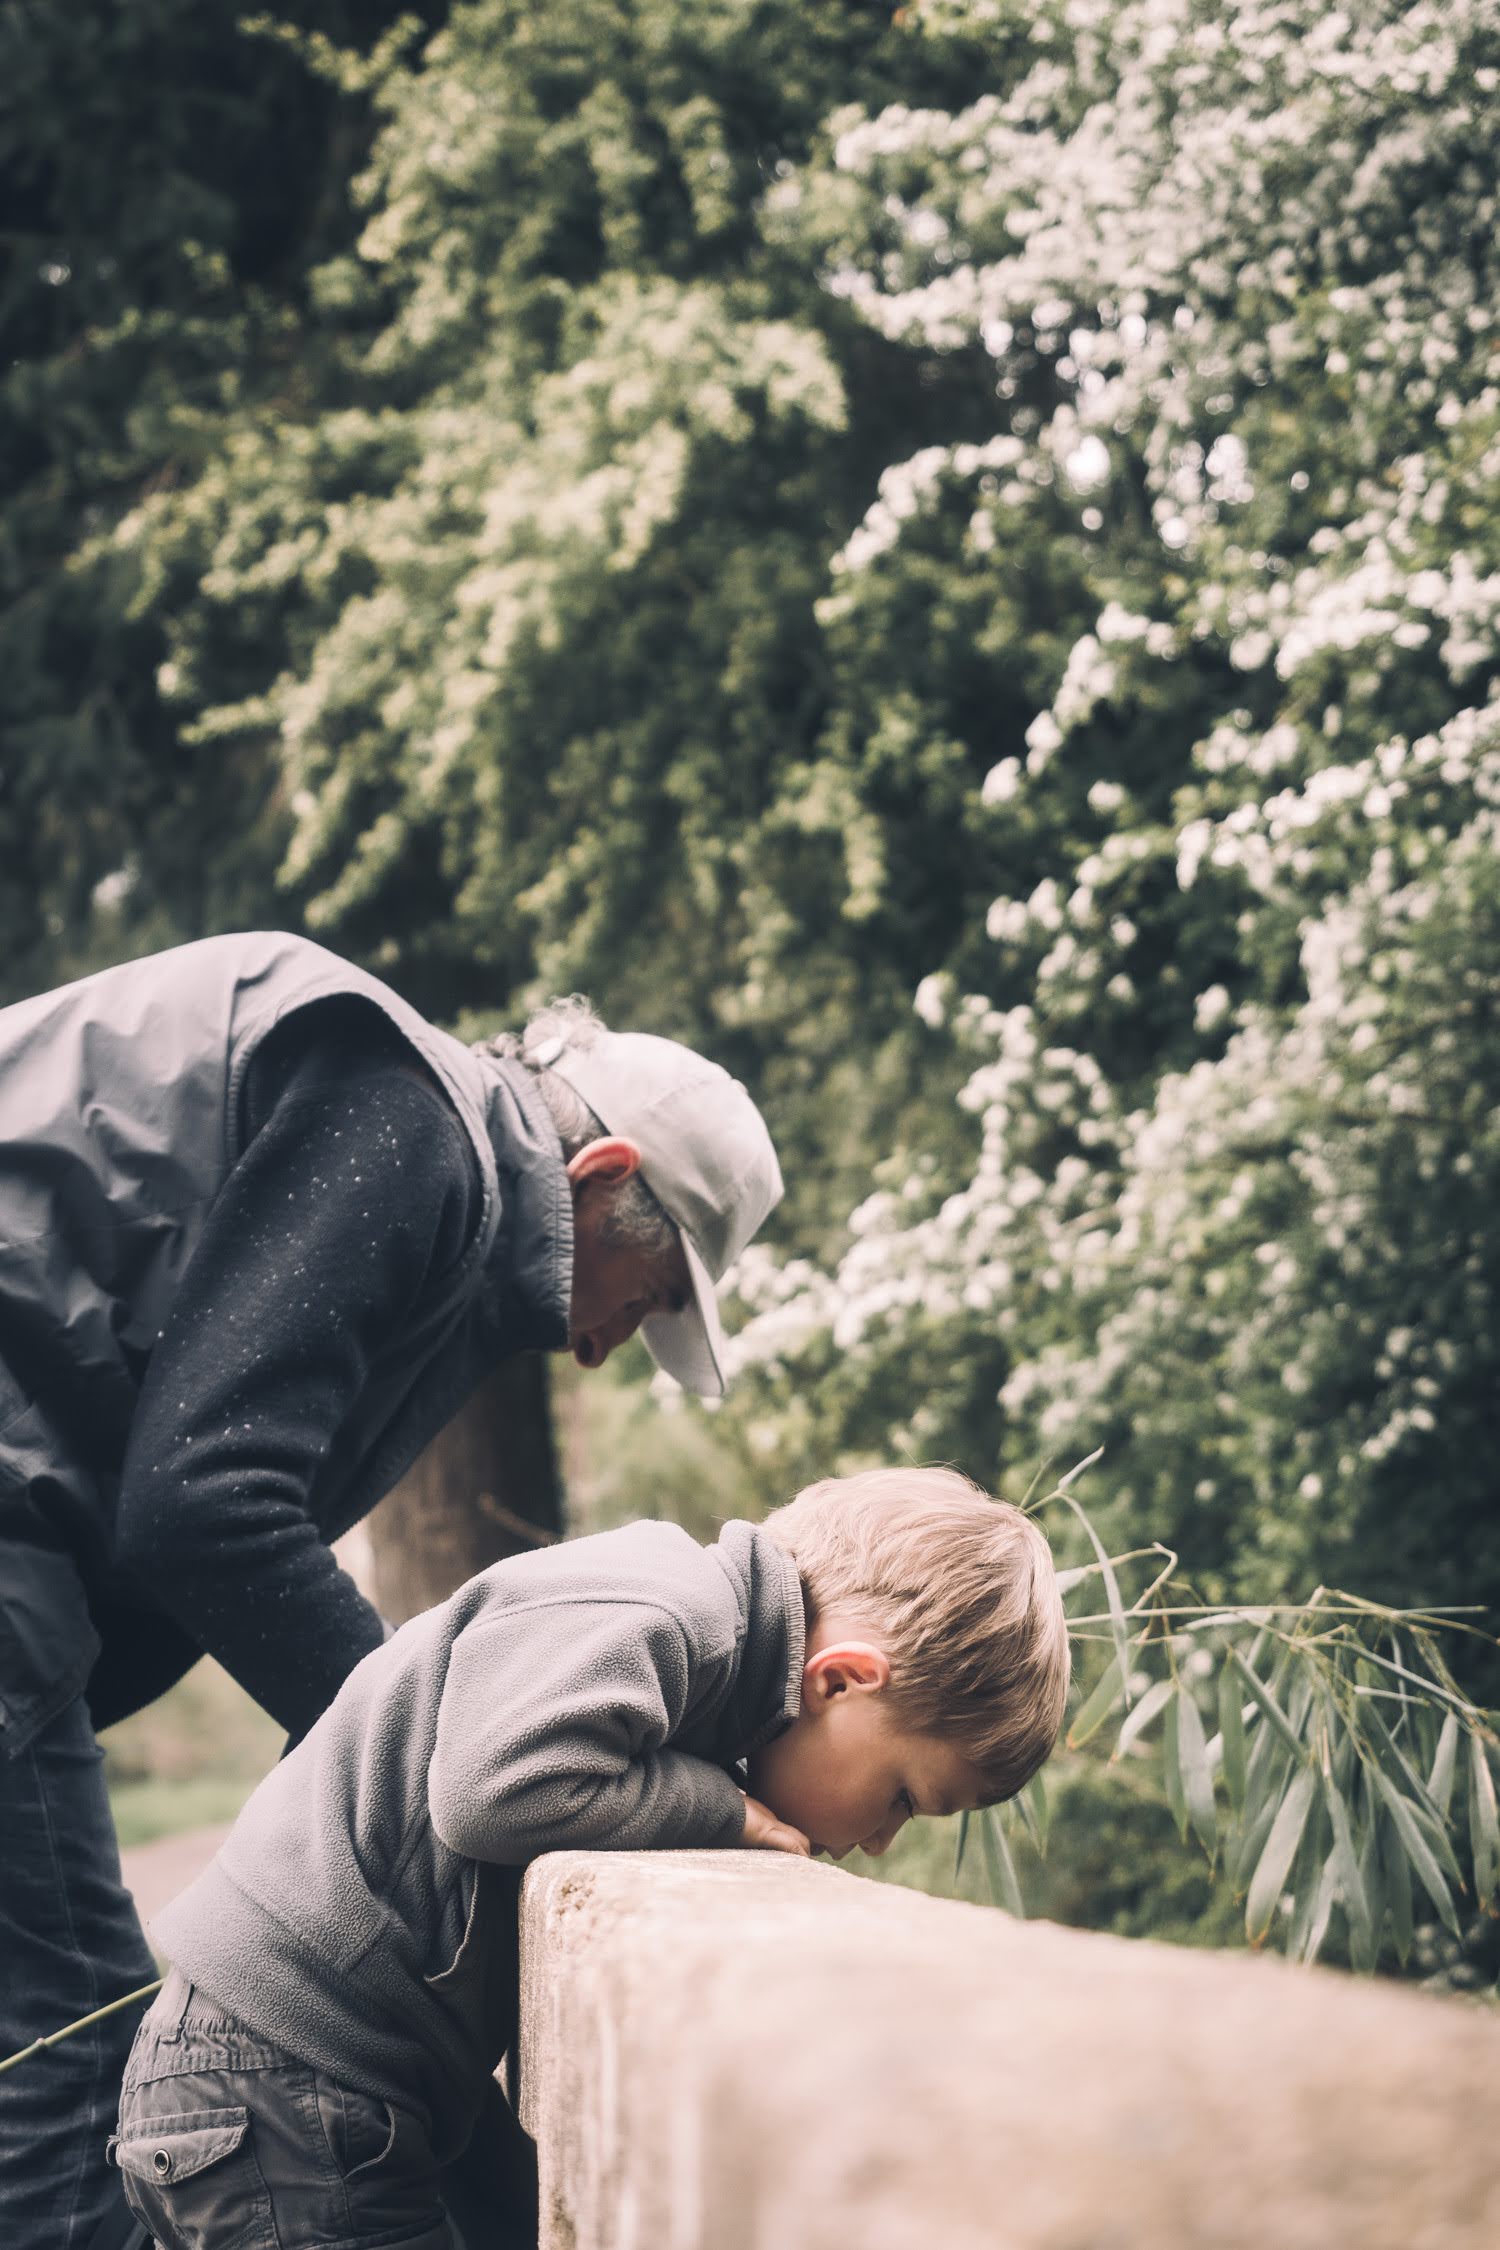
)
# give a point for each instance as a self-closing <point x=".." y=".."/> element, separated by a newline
<point x="765" y="1833"/>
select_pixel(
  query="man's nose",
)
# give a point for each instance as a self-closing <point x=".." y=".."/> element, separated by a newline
<point x="593" y="1347"/>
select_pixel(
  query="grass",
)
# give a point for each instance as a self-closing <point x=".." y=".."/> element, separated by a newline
<point x="189" y="1760"/>
<point x="147" y="1810"/>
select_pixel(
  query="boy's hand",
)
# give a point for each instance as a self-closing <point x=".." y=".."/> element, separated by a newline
<point x="765" y="1833"/>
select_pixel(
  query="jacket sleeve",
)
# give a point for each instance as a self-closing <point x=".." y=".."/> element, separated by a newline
<point x="358" y="1189"/>
<point x="554" y="1733"/>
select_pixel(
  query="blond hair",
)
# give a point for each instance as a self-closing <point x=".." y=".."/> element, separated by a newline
<point x="960" y="1592"/>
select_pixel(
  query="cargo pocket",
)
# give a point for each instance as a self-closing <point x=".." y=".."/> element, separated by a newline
<point x="192" y="2177"/>
<point x="359" y="2128"/>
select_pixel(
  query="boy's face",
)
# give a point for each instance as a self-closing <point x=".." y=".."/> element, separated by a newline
<point x="847" y="1772"/>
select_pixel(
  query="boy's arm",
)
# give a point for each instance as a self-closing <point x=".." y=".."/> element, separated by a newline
<point x="554" y="1733"/>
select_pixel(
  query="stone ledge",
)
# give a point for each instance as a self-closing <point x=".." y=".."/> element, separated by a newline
<point x="741" y="2051"/>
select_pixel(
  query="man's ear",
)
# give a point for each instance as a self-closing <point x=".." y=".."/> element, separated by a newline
<point x="842" y="1667"/>
<point x="611" y="1161"/>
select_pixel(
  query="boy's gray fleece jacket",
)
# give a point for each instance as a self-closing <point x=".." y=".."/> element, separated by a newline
<point x="592" y="1694"/>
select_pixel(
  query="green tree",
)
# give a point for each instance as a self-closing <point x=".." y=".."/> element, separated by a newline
<point x="169" y="180"/>
<point x="518" y="597"/>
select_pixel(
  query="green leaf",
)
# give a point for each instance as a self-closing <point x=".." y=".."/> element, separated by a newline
<point x="1091" y="1716"/>
<point x="961" y="1840"/>
<point x="1197" y="1776"/>
<point x="1345" y="1859"/>
<point x="1397" y="1869"/>
<point x="1253" y="1830"/>
<point x="1484" y="1831"/>
<point x="1155" y="1698"/>
<point x="1372" y="1876"/>
<point x="1041" y="1805"/>
<point x="1111" y="1589"/>
<point x="1313" y="1927"/>
<point x="1280" y="1850"/>
<point x="1440" y="1780"/>
<point x="1004" y="1881"/>
<point x="1441" y="1843"/>
<point x="1024" y="1806"/>
<point x="1418" y="1851"/>
<point x="1269" y="1705"/>
<point x="1394" y="1760"/>
<point x="1306" y="1884"/>
<point x="1232" y="1734"/>
<point x="1172" y="1768"/>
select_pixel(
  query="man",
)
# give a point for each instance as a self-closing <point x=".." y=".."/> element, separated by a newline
<point x="262" y="1230"/>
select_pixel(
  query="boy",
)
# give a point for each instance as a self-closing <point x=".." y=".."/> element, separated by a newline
<point x="887" y="1644"/>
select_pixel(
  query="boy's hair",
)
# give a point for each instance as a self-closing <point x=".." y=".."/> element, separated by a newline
<point x="961" y="1593"/>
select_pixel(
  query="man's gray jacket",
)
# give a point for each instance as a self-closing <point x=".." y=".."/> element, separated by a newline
<point x="591" y="1695"/>
<point x="121" y="1119"/>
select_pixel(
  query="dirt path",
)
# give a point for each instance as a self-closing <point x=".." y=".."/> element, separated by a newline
<point x="155" y="1873"/>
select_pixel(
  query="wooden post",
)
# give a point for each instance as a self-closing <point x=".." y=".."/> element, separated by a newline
<point x="486" y="1487"/>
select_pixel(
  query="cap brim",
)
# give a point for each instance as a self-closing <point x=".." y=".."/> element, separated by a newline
<point x="689" y="1346"/>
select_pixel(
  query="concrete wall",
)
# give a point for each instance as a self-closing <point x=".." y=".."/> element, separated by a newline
<point x="739" y="2051"/>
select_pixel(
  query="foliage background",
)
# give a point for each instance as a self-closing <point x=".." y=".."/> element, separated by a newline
<point x="948" y="555"/>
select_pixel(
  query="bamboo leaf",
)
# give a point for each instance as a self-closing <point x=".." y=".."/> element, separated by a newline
<point x="1372" y="1876"/>
<point x="1232" y="1734"/>
<point x="1004" y="1881"/>
<point x="1268" y="1704"/>
<point x="1440" y="1843"/>
<point x="1393" y="1758"/>
<point x="1345" y="1859"/>
<point x="1091" y="1716"/>
<point x="1159" y="1693"/>
<point x="1425" y="1867"/>
<point x="1255" y="1827"/>
<point x="1111" y="1588"/>
<point x="1397" y="1869"/>
<point x="1484" y="1830"/>
<point x="1041" y="1805"/>
<point x="1172" y="1767"/>
<point x="1320" y="1911"/>
<point x="1197" y="1777"/>
<point x="1280" y="1850"/>
<point x="1444" y="1764"/>
<point x="1023" y="1805"/>
<point x="1305" y="1884"/>
<point x="1078" y="1468"/>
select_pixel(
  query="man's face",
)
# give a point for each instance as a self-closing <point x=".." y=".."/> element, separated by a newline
<point x="614" y="1288"/>
<point x="847" y="1772"/>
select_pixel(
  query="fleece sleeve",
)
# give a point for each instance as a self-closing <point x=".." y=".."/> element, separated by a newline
<point x="554" y="1733"/>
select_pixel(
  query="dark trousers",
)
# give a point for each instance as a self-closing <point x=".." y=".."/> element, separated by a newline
<point x="225" y="2138"/>
<point x="70" y="1940"/>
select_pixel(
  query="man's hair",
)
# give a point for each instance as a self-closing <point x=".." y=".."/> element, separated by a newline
<point x="633" y="1219"/>
<point x="960" y="1592"/>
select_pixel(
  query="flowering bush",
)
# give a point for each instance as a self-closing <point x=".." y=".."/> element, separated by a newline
<point x="1230" y="1204"/>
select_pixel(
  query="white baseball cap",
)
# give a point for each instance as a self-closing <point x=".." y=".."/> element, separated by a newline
<point x="705" y="1155"/>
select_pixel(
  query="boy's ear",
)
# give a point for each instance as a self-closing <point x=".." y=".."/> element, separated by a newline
<point x="843" y="1666"/>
